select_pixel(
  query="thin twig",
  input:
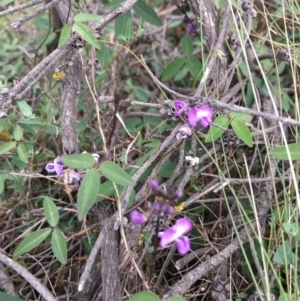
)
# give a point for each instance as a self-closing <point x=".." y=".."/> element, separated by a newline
<point x="16" y="25"/>
<point x="20" y="7"/>
<point x="33" y="281"/>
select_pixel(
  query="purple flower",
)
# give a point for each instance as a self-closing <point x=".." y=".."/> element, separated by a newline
<point x="71" y="177"/>
<point x="184" y="132"/>
<point x="58" y="166"/>
<point x="50" y="168"/>
<point x="201" y="114"/>
<point x="55" y="167"/>
<point x="180" y="107"/>
<point x="153" y="185"/>
<point x="192" y="28"/>
<point x="137" y="218"/>
<point x="163" y="207"/>
<point x="176" y="233"/>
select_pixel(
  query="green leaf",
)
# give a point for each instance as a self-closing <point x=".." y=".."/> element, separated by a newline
<point x="59" y="246"/>
<point x="172" y="69"/>
<point x="129" y="30"/>
<point x="83" y="17"/>
<point x="177" y="298"/>
<point x="105" y="56"/>
<point x="31" y="241"/>
<point x="18" y="133"/>
<point x="7" y="146"/>
<point x="116" y="174"/>
<point x="88" y="192"/>
<point x="64" y="35"/>
<point x="242" y="131"/>
<point x="2" y="186"/>
<point x="281" y="152"/>
<point x="22" y="152"/>
<point x="284" y="254"/>
<point x="86" y="33"/>
<point x="6" y="297"/>
<point x="216" y="132"/>
<point x="51" y="212"/>
<point x="5" y="2"/>
<point x="82" y="161"/>
<point x="144" y="296"/>
<point x="25" y="109"/>
<point x="147" y="13"/>
<point x="186" y="44"/>
<point x="242" y="116"/>
<point x="143" y="159"/>
<point x="167" y="170"/>
<point x="194" y="66"/>
<point x="131" y="199"/>
<point x="106" y="189"/>
<point x="120" y="24"/>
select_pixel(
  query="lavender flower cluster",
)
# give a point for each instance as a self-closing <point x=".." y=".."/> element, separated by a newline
<point x="70" y="176"/>
<point x="195" y="115"/>
<point x="177" y="232"/>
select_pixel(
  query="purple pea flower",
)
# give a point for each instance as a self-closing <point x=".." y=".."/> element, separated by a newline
<point x="176" y="233"/>
<point x="180" y="107"/>
<point x="55" y="167"/>
<point x="184" y="132"/>
<point x="192" y="28"/>
<point x="163" y="207"/>
<point x="137" y="218"/>
<point x="71" y="177"/>
<point x="202" y="114"/>
<point x="153" y="185"/>
<point x="58" y="166"/>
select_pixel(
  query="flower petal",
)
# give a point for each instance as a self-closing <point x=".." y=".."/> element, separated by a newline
<point x="50" y="168"/>
<point x="180" y="107"/>
<point x="183" y="226"/>
<point x="168" y="237"/>
<point x="183" y="245"/>
<point x="169" y="210"/>
<point x="192" y="28"/>
<point x="205" y="122"/>
<point x="137" y="218"/>
<point x="96" y="158"/>
<point x="153" y="185"/>
<point x="157" y="206"/>
<point x="193" y="116"/>
<point x="178" y="104"/>
<point x="58" y="166"/>
<point x="71" y="177"/>
<point x="183" y="132"/>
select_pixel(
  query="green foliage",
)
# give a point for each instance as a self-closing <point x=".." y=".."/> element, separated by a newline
<point x="144" y="296"/>
<point x="31" y="241"/>
<point x="284" y="254"/>
<point x="59" y="246"/>
<point x="6" y="147"/>
<point x="78" y="161"/>
<point x="88" y="192"/>
<point x="283" y="152"/>
<point x="242" y="131"/>
<point x="86" y="33"/>
<point x="7" y="297"/>
<point x="83" y="17"/>
<point x="64" y="35"/>
<point x="147" y="13"/>
<point x="116" y="174"/>
<point x="186" y="44"/>
<point x="172" y="69"/>
<point x="216" y="131"/>
<point x="51" y="212"/>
